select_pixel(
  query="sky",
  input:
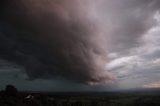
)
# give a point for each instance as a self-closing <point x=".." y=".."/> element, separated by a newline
<point x="80" y="45"/>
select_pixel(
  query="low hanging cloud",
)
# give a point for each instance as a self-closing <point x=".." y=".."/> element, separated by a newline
<point x="54" y="39"/>
<point x="71" y="39"/>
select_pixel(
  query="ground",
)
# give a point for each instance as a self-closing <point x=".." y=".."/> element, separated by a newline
<point x="80" y="99"/>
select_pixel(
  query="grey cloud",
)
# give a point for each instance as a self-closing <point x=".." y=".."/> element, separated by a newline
<point x="70" y="39"/>
<point x="130" y="36"/>
<point x="128" y="21"/>
<point x="53" y="39"/>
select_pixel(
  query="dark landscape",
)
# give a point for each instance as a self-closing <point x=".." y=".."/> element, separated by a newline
<point x="11" y="97"/>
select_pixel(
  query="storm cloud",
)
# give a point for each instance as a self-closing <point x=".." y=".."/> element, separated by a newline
<point x="54" y="39"/>
<point x="85" y="41"/>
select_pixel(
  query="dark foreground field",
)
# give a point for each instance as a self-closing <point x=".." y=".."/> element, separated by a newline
<point x="135" y="98"/>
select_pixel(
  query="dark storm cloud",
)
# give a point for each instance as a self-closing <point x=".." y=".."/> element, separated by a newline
<point x="53" y="39"/>
<point x="69" y="39"/>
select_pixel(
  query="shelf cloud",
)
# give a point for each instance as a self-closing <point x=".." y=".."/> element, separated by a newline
<point x="55" y="39"/>
<point x="86" y="41"/>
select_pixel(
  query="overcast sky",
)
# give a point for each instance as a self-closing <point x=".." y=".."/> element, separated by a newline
<point x="80" y="45"/>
